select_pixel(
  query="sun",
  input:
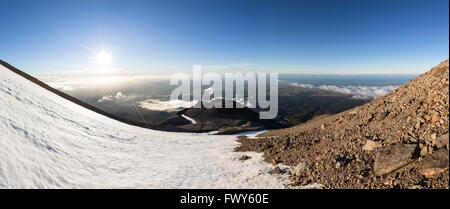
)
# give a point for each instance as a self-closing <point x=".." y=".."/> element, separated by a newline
<point x="103" y="58"/>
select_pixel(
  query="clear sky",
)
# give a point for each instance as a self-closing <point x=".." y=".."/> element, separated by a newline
<point x="359" y="36"/>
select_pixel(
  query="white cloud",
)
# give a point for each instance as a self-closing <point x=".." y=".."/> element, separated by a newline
<point x="118" y="96"/>
<point x="358" y="92"/>
<point x="86" y="78"/>
<point x="302" y="85"/>
<point x="168" y="106"/>
<point x="210" y="91"/>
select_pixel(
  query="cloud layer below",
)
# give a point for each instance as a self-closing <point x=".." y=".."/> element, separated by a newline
<point x="70" y="80"/>
<point x="357" y="92"/>
<point x="118" y="96"/>
<point x="168" y="106"/>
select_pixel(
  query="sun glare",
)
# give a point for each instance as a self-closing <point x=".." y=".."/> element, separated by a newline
<point x="103" y="58"/>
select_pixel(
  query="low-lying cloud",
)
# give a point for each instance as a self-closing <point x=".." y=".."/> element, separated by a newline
<point x="70" y="80"/>
<point x="358" y="92"/>
<point x="167" y="106"/>
<point x="118" y="96"/>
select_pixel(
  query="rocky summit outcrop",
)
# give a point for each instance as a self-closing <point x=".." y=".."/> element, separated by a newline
<point x="399" y="140"/>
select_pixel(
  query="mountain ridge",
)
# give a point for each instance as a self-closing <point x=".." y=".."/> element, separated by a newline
<point x="373" y="145"/>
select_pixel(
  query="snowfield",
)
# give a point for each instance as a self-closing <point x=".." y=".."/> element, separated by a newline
<point x="49" y="142"/>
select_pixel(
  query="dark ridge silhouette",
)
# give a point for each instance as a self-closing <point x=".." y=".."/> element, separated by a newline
<point x="224" y="120"/>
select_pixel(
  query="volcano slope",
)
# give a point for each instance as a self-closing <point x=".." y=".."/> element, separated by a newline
<point x="399" y="140"/>
<point x="50" y="141"/>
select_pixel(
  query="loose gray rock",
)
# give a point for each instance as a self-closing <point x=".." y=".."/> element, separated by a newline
<point x="354" y="112"/>
<point x="297" y="170"/>
<point x="393" y="157"/>
<point x="275" y="162"/>
<point x="435" y="164"/>
<point x="244" y="157"/>
<point x="277" y="170"/>
<point x="338" y="165"/>
<point x="371" y="145"/>
<point x="441" y="141"/>
<point x="424" y="151"/>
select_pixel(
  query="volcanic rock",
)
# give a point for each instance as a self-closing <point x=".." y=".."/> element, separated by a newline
<point x="393" y="157"/>
<point x="434" y="164"/>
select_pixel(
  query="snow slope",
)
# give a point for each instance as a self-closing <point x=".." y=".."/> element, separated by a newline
<point x="49" y="142"/>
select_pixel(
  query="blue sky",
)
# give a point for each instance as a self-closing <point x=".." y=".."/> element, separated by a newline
<point x="160" y="37"/>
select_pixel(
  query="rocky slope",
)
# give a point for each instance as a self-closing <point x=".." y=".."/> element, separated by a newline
<point x="399" y="140"/>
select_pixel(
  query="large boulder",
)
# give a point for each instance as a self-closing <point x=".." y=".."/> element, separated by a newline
<point x="393" y="157"/>
<point x="435" y="164"/>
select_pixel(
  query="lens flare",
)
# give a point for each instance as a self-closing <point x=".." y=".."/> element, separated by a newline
<point x="103" y="58"/>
